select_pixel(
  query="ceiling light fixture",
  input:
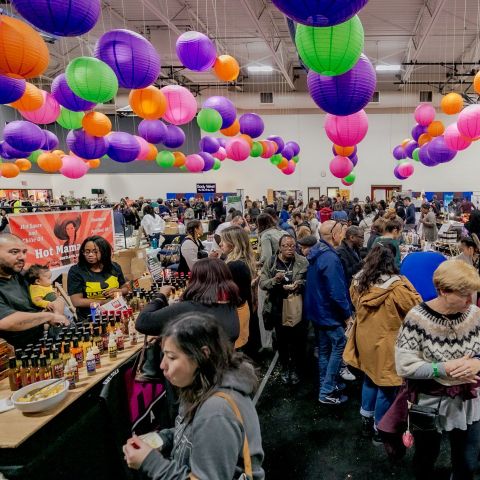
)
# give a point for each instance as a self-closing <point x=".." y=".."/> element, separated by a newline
<point x="388" y="68"/>
<point x="260" y="69"/>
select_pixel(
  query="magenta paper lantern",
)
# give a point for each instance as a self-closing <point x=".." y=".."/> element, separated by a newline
<point x="194" y="163"/>
<point x="398" y="174"/>
<point x="418" y="130"/>
<point x="340" y="166"/>
<point x="64" y="95"/>
<point x="47" y="113"/>
<point x="208" y="160"/>
<point x="209" y="144"/>
<point x="438" y="150"/>
<point x="73" y="167"/>
<point x="196" y="51"/>
<point x="454" y="139"/>
<point x="11" y="89"/>
<point x="221" y="154"/>
<point x="406" y="169"/>
<point x="224" y="107"/>
<point x="87" y="146"/>
<point x="424" y="114"/>
<point x="50" y="140"/>
<point x="123" y="147"/>
<point x="238" y="149"/>
<point x="348" y="130"/>
<point x="153" y="131"/>
<point x="23" y="136"/>
<point x="288" y="170"/>
<point x="182" y="106"/>
<point x="271" y="149"/>
<point x="175" y="137"/>
<point x="468" y="122"/>
<point x="144" y="148"/>
<point x="251" y="124"/>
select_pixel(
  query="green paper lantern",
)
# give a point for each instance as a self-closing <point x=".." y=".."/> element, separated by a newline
<point x="33" y="157"/>
<point x="276" y="159"/>
<point x="333" y="50"/>
<point x="296" y="158"/>
<point x="91" y="79"/>
<point x="183" y="168"/>
<point x="209" y="120"/>
<point x="256" y="150"/>
<point x="350" y="178"/>
<point x="217" y="164"/>
<point x="70" y="120"/>
<point x="415" y="154"/>
<point x="105" y="157"/>
<point x="165" y="159"/>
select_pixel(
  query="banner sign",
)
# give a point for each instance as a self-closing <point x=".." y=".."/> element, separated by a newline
<point x="54" y="238"/>
<point x="206" y="187"/>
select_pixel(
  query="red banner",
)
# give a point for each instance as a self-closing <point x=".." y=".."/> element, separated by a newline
<point x="54" y="238"/>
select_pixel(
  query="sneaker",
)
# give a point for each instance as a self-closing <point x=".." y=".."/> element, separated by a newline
<point x="334" y="398"/>
<point x="285" y="377"/>
<point x="347" y="375"/>
<point x="340" y="386"/>
<point x="377" y="439"/>
<point x="294" y="378"/>
<point x="367" y="427"/>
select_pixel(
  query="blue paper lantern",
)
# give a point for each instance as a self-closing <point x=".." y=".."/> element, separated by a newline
<point x="123" y="147"/>
<point x="11" y="89"/>
<point x="23" y="136"/>
<point x="86" y="146"/>
<point x="175" y="137"/>
<point x="196" y="51"/>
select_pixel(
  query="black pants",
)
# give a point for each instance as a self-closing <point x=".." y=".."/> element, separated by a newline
<point x="291" y="345"/>
<point x="464" y="446"/>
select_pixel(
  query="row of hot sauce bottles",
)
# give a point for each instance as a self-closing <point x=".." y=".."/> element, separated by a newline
<point x="80" y="347"/>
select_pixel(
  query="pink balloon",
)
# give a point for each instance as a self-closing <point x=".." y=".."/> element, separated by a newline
<point x="348" y="130"/>
<point x="290" y="169"/>
<point x="144" y="148"/>
<point x="47" y="113"/>
<point x="406" y="169"/>
<point x="454" y="139"/>
<point x="468" y="122"/>
<point x="340" y="166"/>
<point x="73" y="167"/>
<point x="347" y="184"/>
<point x="182" y="106"/>
<point x="238" y="149"/>
<point x="221" y="154"/>
<point x="424" y="114"/>
<point x="194" y="163"/>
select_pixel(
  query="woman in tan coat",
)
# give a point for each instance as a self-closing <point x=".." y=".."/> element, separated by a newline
<point x="381" y="298"/>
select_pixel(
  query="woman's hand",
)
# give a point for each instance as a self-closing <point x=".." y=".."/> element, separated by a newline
<point x="135" y="451"/>
<point x="112" y="292"/>
<point x="166" y="290"/>
<point x="468" y="367"/>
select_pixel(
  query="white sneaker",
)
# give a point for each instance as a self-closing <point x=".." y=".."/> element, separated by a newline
<point x="347" y="375"/>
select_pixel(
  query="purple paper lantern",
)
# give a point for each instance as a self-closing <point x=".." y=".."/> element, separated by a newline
<point x="196" y="51"/>
<point x="439" y="152"/>
<point x="132" y="57"/>
<point x="320" y="13"/>
<point x="153" y="131"/>
<point x="224" y="107"/>
<point x="8" y="152"/>
<point x="251" y="124"/>
<point x="287" y="152"/>
<point x="424" y="157"/>
<point x="208" y="159"/>
<point x="295" y="147"/>
<point x="209" y="144"/>
<point x="398" y="174"/>
<point x="418" y="130"/>
<point x="66" y="98"/>
<point x="399" y="153"/>
<point x="23" y="136"/>
<point x="278" y="140"/>
<point x="410" y="147"/>
<point x="11" y="89"/>
<point x="123" y="147"/>
<point x="354" y="158"/>
<point x="86" y="146"/>
<point x="222" y="142"/>
<point x="344" y="94"/>
<point x="175" y="137"/>
<point x="64" y="18"/>
<point x="50" y="140"/>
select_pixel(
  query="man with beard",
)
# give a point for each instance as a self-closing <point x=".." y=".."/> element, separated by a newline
<point x="21" y="322"/>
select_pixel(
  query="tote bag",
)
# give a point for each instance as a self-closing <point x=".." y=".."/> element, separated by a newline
<point x="292" y="310"/>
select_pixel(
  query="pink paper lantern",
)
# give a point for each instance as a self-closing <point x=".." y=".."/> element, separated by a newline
<point x="290" y="168"/>
<point x="182" y="106"/>
<point x="73" y="167"/>
<point x="348" y="130"/>
<point x="340" y="166"/>
<point x="424" y="114"/>
<point x="47" y="113"/>
<point x="406" y="169"/>
<point x="144" y="148"/>
<point x="271" y="149"/>
<point x="194" y="163"/>
<point x="238" y="149"/>
<point x="468" y="122"/>
<point x="221" y="154"/>
<point x="454" y="139"/>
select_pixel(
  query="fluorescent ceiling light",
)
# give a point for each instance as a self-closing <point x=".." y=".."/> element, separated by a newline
<point x="388" y="68"/>
<point x="260" y="69"/>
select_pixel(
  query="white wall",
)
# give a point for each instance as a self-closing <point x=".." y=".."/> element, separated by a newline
<point x="256" y="175"/>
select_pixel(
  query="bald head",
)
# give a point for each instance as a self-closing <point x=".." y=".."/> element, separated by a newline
<point x="332" y="232"/>
<point x="12" y="254"/>
<point x="9" y="237"/>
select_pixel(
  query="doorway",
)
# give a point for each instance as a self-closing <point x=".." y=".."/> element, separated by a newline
<point x="384" y="192"/>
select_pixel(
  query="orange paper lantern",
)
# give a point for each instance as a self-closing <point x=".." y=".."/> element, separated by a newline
<point x="152" y="153"/>
<point x="179" y="159"/>
<point x="32" y="99"/>
<point x="424" y="138"/>
<point x="23" y="164"/>
<point x="248" y="138"/>
<point x="436" y="128"/>
<point x="283" y="163"/>
<point x="61" y="153"/>
<point x="49" y="162"/>
<point x="149" y="103"/>
<point x="343" y="151"/>
<point x="9" y="170"/>
<point x="226" y="68"/>
<point x="96" y="124"/>
<point x="451" y="103"/>
<point x="232" y="130"/>
<point x="404" y="143"/>
<point x="95" y="163"/>
<point x="476" y="83"/>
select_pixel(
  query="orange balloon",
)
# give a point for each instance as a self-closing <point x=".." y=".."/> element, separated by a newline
<point x="404" y="143"/>
<point x="248" y="138"/>
<point x="149" y="103"/>
<point x="226" y="68"/>
<point x="179" y="159"/>
<point x="283" y="164"/>
<point x="96" y="124"/>
<point x="436" y="128"/>
<point x="23" y="164"/>
<point x="343" y="151"/>
<point x="23" y="53"/>
<point x="61" y="153"/>
<point x="49" y="162"/>
<point x="424" y="138"/>
<point x="232" y="130"/>
<point x="152" y="152"/>
<point x="476" y="83"/>
<point x="9" y="170"/>
<point x="452" y="103"/>
<point x="32" y="99"/>
<point x="95" y="163"/>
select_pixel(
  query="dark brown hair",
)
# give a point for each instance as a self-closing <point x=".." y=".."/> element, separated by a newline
<point x="34" y="272"/>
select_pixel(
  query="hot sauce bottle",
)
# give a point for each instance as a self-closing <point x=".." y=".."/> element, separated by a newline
<point x="57" y="365"/>
<point x="97" y="339"/>
<point x="112" y="346"/>
<point x="34" y="370"/>
<point x="14" y="376"/>
<point x="25" y="372"/>
<point x="44" y="371"/>
<point x="77" y="352"/>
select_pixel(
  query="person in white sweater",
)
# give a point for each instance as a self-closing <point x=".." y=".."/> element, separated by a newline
<point x="153" y="224"/>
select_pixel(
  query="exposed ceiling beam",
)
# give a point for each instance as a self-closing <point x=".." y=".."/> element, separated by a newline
<point x="149" y="5"/>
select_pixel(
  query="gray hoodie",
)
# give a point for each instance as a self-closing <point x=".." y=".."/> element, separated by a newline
<point x="211" y="445"/>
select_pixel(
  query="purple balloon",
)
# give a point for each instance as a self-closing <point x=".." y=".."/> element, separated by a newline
<point x="66" y="98"/>
<point x="399" y="153"/>
<point x="353" y="158"/>
<point x="438" y="150"/>
<point x="209" y="144"/>
<point x="287" y="152"/>
<point x="224" y="107"/>
<point x="86" y="146"/>
<point x="294" y="146"/>
<point x="208" y="159"/>
<point x="8" y="152"/>
<point x="344" y="94"/>
<point x="354" y="153"/>
<point x="50" y="141"/>
<point x="11" y="89"/>
<point x="424" y="157"/>
<point x="153" y="131"/>
<point x="24" y="136"/>
<point x="320" y="13"/>
<point x="132" y="57"/>
<point x="410" y="147"/>
<point x="123" y="147"/>
<point x="175" y="137"/>
<point x="196" y="51"/>
<point x="251" y="124"/>
<point x="418" y="130"/>
<point x="222" y="142"/>
<point x="278" y="140"/>
<point x="397" y="174"/>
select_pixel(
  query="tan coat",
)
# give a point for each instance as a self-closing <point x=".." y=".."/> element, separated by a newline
<point x="380" y="312"/>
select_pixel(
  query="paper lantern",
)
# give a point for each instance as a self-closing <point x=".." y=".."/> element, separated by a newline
<point x="175" y="137"/>
<point x="209" y="120"/>
<point x="165" y="159"/>
<point x="149" y="103"/>
<point x="415" y="154"/>
<point x="179" y="159"/>
<point x="132" y="57"/>
<point x="424" y="114"/>
<point x="251" y="124"/>
<point x="32" y="99"/>
<point x="397" y="174"/>
<point x="226" y="68"/>
<point x="152" y="152"/>
<point x="49" y="162"/>
<point x="436" y="128"/>
<point x="196" y="51"/>
<point x="330" y="50"/>
<point x="476" y="83"/>
<point x="73" y="167"/>
<point x="86" y="146"/>
<point x="439" y="152"/>
<point x="290" y="168"/>
<point x="278" y="140"/>
<point x="60" y="153"/>
<point x="468" y="122"/>
<point x="343" y="151"/>
<point x="23" y="53"/>
<point x="294" y="146"/>
<point x="418" y="130"/>
<point x="406" y="169"/>
<point x="340" y="166"/>
<point x="287" y="152"/>
<point x="33" y="157"/>
<point x="452" y="103"/>
<point x="455" y="140"/>
<point x="194" y="163"/>
<point x="247" y="138"/>
<point x="47" y="113"/>
<point x="70" y="120"/>
<point x="276" y="159"/>
<point x="8" y="152"/>
<point x="222" y="141"/>
<point x="424" y="138"/>
<point x="344" y="94"/>
<point x="350" y="178"/>
<point x="50" y="140"/>
<point x="181" y="105"/>
<point x="221" y="154"/>
<point x="425" y="158"/>
<point x="348" y="130"/>
<point x="269" y="148"/>
<point x="24" y="136"/>
<point x="208" y="161"/>
<point x="96" y="124"/>
<point x="238" y="149"/>
<point x="95" y="163"/>
<point x="282" y="164"/>
<point x="144" y="148"/>
<point x="11" y="89"/>
<point x="9" y="170"/>
<point x="232" y="130"/>
<point x="23" y="164"/>
<point x="410" y="147"/>
<point x="208" y="144"/>
<point x="217" y="164"/>
<point x="256" y="149"/>
<point x="153" y="131"/>
<point x="296" y="159"/>
<point x="66" y="98"/>
<point x="91" y="79"/>
<point x="224" y="107"/>
<point x="122" y="147"/>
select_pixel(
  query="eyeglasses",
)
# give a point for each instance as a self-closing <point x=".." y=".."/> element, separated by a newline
<point x="288" y="247"/>
<point x="341" y="222"/>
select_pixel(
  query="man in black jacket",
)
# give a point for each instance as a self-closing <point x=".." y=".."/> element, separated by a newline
<point x="349" y="252"/>
<point x="410" y="213"/>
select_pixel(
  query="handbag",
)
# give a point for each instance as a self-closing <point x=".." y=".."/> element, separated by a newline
<point x="147" y="366"/>
<point x="292" y="310"/>
<point x="422" y="418"/>
<point x="243" y="312"/>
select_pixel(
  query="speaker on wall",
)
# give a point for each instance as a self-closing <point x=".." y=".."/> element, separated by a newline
<point x="98" y="191"/>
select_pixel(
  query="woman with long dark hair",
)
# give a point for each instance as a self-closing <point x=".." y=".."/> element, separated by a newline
<point x="153" y="224"/>
<point x="67" y="230"/>
<point x="356" y="215"/>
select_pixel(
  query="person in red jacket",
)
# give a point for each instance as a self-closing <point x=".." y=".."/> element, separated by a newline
<point x="325" y="213"/>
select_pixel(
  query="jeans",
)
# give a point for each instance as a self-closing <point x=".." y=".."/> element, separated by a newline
<point x="331" y="343"/>
<point x="376" y="400"/>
